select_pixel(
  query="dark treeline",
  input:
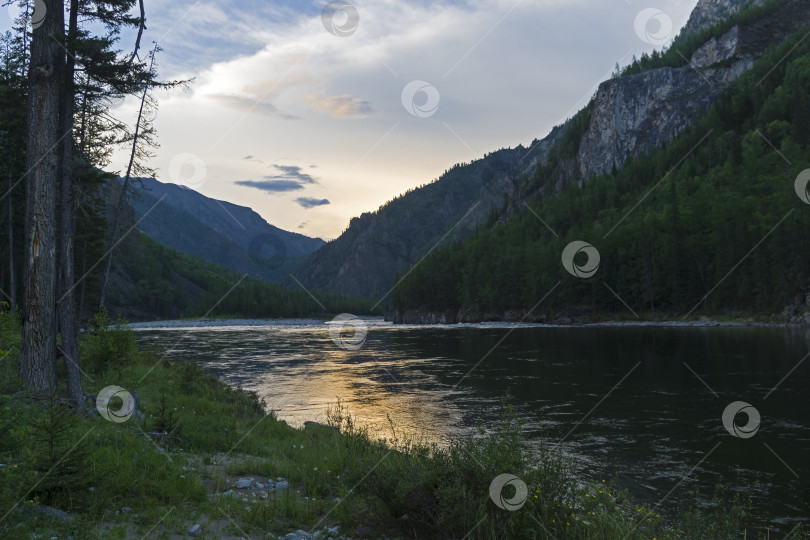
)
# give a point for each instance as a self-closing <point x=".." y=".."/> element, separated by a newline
<point x="90" y="235"/>
<point x="710" y="202"/>
<point x="173" y="284"/>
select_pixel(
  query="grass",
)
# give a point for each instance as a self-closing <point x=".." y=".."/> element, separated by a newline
<point x="175" y="467"/>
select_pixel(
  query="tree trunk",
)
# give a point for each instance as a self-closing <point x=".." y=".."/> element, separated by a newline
<point x="83" y="288"/>
<point x="11" y="283"/>
<point x="38" y="352"/>
<point x="82" y="130"/>
<point x="66" y="306"/>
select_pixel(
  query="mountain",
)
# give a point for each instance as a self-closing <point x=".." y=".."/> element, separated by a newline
<point x="712" y="222"/>
<point x="647" y="106"/>
<point x="150" y="280"/>
<point x="707" y="13"/>
<point x="217" y="231"/>
<point x="376" y="246"/>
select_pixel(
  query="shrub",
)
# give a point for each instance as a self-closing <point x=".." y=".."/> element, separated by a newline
<point x="106" y="344"/>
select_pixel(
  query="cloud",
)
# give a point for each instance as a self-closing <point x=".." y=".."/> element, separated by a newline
<point x="287" y="178"/>
<point x="273" y="86"/>
<point x="340" y="106"/>
<point x="271" y="186"/>
<point x="250" y="105"/>
<point x="475" y="52"/>
<point x="248" y="157"/>
<point x="291" y="172"/>
<point x="309" y="202"/>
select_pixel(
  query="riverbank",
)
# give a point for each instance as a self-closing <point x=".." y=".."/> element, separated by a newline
<point x="451" y="317"/>
<point x="205" y="460"/>
<point x="382" y="322"/>
<point x="210" y="323"/>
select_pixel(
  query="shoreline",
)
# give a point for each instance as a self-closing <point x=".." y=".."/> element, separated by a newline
<point x="380" y="322"/>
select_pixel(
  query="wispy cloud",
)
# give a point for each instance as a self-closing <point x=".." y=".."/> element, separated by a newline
<point x="291" y="172"/>
<point x="250" y="105"/>
<point x="340" y="106"/>
<point x="271" y="186"/>
<point x="287" y="178"/>
<point x="309" y="202"/>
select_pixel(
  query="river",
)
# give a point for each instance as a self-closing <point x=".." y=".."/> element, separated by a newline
<point x="643" y="405"/>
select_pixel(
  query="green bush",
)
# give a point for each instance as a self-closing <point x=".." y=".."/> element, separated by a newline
<point x="107" y="344"/>
<point x="55" y="453"/>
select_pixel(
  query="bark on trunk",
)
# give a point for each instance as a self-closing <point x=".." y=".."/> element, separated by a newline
<point x="38" y="352"/>
<point x="82" y="129"/>
<point x="66" y="305"/>
<point x="12" y="298"/>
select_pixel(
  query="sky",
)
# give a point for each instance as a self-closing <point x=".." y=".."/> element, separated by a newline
<point x="313" y="112"/>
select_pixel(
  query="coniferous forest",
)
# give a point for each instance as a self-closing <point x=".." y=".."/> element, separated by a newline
<point x="724" y="186"/>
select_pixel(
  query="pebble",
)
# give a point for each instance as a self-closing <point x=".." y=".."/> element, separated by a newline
<point x="282" y="486"/>
<point x="194" y="530"/>
<point x="244" y="483"/>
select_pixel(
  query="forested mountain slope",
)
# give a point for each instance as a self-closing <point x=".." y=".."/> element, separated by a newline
<point x="150" y="280"/>
<point x="715" y="221"/>
<point x="218" y="231"/>
<point x="642" y="108"/>
<point x="153" y="281"/>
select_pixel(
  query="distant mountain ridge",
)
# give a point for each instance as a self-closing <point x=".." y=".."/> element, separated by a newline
<point x="218" y="231"/>
<point x="646" y="107"/>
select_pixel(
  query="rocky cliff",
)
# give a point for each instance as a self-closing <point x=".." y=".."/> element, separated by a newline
<point x="632" y="115"/>
<point x="629" y="116"/>
<point x="707" y="13"/>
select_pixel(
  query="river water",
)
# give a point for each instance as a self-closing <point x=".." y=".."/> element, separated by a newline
<point x="639" y="404"/>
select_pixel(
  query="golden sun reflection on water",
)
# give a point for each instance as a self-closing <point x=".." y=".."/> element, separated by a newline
<point x="365" y="393"/>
